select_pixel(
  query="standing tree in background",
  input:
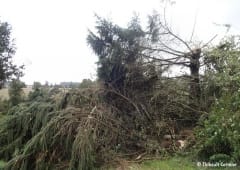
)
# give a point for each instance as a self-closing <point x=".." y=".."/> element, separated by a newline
<point x="8" y="69"/>
<point x="15" y="92"/>
<point x="86" y="83"/>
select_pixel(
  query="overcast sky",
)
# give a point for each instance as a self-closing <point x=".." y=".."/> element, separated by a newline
<point x="51" y="34"/>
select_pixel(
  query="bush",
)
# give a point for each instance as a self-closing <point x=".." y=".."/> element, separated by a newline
<point x="4" y="105"/>
<point x="220" y="132"/>
<point x="15" y="92"/>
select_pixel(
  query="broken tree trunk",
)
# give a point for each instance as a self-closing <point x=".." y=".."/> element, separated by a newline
<point x="195" y="90"/>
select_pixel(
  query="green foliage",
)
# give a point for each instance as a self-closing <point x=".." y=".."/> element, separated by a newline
<point x="117" y="48"/>
<point x="4" y="105"/>
<point x="40" y="92"/>
<point x="15" y="92"/>
<point x="20" y="126"/>
<point x="175" y="163"/>
<point x="83" y="156"/>
<point x="37" y="94"/>
<point x="7" y="49"/>
<point x="2" y="164"/>
<point x="220" y="158"/>
<point x="73" y="130"/>
<point x="28" y="130"/>
<point x="219" y="134"/>
<point x="222" y="67"/>
<point x="68" y="130"/>
<point x="128" y="81"/>
<point x="36" y="85"/>
<point x="69" y="84"/>
<point x="131" y="66"/>
<point x="86" y="127"/>
<point x="86" y="83"/>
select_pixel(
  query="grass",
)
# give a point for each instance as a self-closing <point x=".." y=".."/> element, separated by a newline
<point x="2" y="164"/>
<point x="168" y="164"/>
<point x="178" y="163"/>
<point x="4" y="92"/>
<point x="175" y="163"/>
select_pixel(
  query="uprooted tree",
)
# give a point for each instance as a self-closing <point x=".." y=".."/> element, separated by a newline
<point x="157" y="47"/>
<point x="129" y="113"/>
<point x="171" y="50"/>
<point x="127" y="78"/>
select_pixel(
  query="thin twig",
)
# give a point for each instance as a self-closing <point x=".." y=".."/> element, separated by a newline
<point x="194" y="25"/>
<point x="209" y="41"/>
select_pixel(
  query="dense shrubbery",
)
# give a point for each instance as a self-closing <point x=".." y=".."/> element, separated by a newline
<point x="219" y="135"/>
<point x="4" y="105"/>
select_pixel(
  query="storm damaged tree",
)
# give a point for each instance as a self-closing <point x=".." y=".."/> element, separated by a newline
<point x="8" y="69"/>
<point x="172" y="51"/>
<point x="119" y="49"/>
<point x="128" y="78"/>
<point x="121" y="66"/>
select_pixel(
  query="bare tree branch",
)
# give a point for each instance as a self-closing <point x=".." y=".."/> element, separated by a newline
<point x="209" y="41"/>
<point x="194" y="25"/>
<point x="180" y="39"/>
<point x="169" y="48"/>
<point x="168" y="61"/>
<point x="163" y="50"/>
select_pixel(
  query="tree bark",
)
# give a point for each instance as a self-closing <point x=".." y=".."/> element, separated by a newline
<point x="195" y="90"/>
